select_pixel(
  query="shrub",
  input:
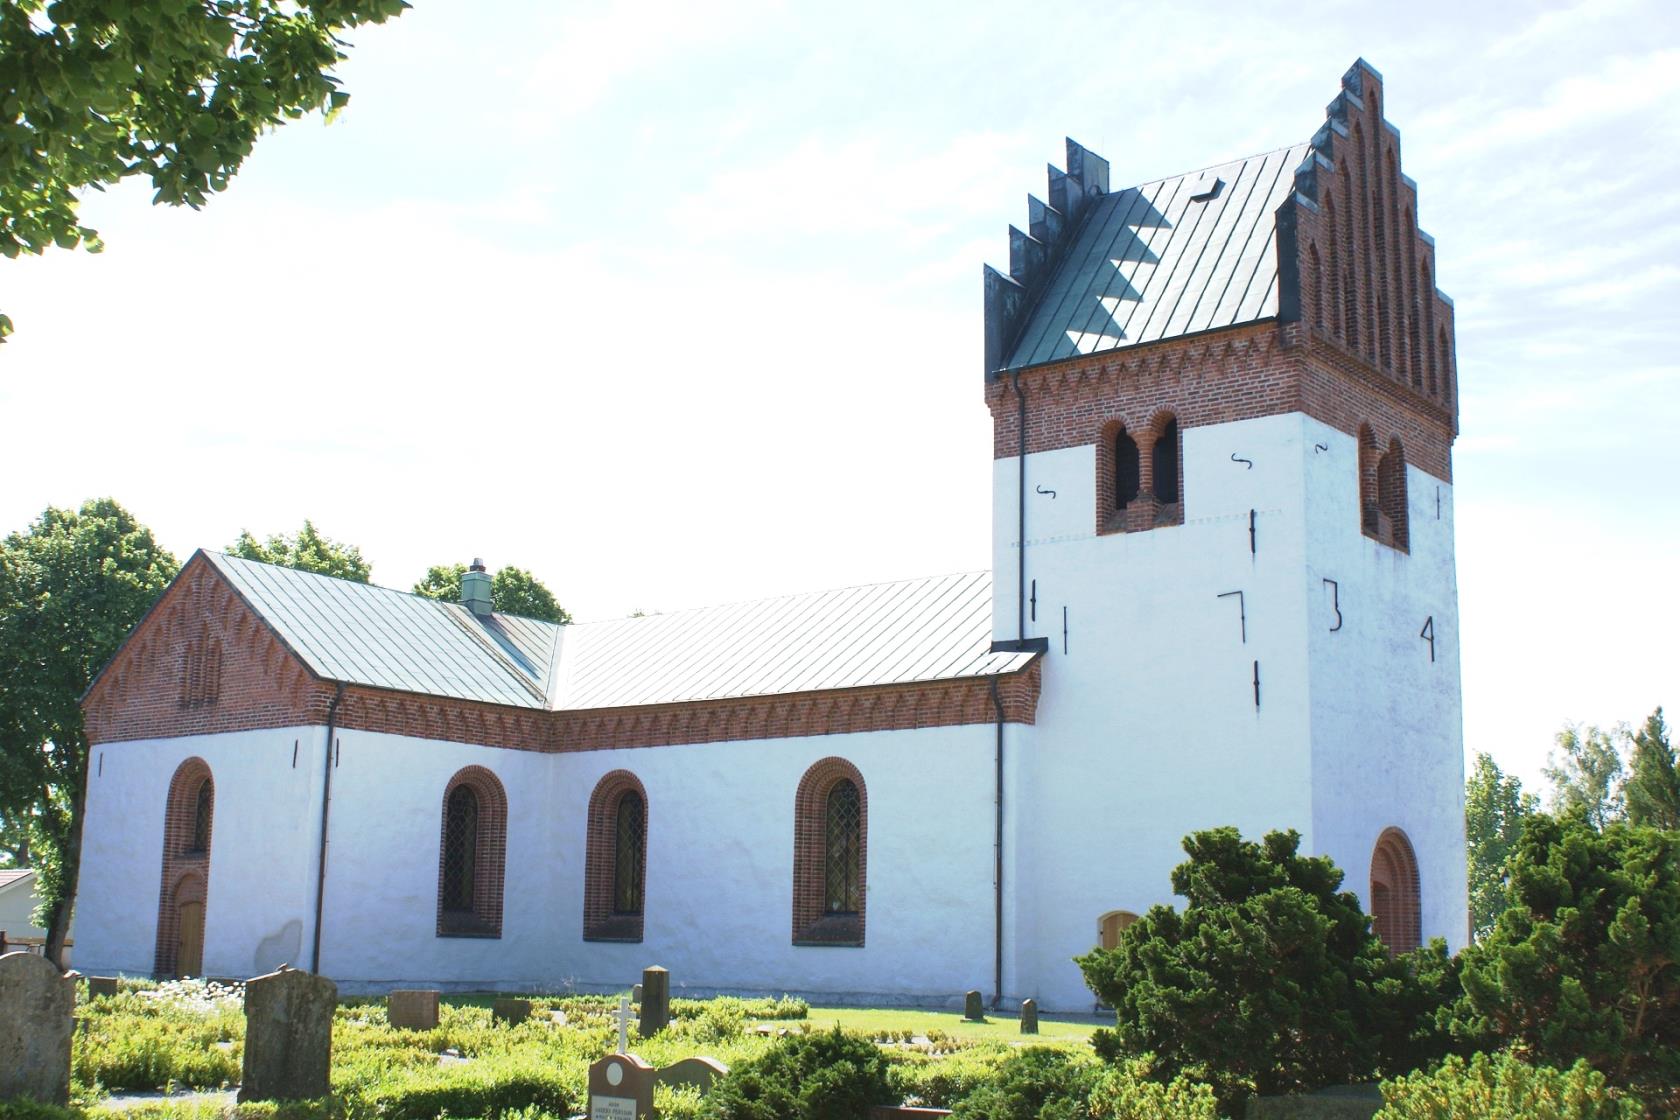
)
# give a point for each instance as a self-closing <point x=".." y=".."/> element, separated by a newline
<point x="1499" y="1087"/>
<point x="1127" y="1093"/>
<point x="921" y="1079"/>
<point x="1269" y="980"/>
<point x="20" y="1109"/>
<point x="824" y="1075"/>
<point x="1584" y="963"/>
<point x="1038" y="1083"/>
<point x="489" y="1087"/>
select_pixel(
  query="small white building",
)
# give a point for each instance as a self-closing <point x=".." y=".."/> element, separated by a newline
<point x="1223" y="592"/>
<point x="18" y="900"/>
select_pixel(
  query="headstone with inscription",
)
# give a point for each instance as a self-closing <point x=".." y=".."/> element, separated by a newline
<point x="37" y="1013"/>
<point x="974" y="1009"/>
<point x="621" y="1088"/>
<point x="656" y="1000"/>
<point x="413" y="1009"/>
<point x="510" y="1011"/>
<point x="288" y="1036"/>
<point x="1029" y="1016"/>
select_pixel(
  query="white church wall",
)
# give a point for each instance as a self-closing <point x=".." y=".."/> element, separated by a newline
<point x="260" y="892"/>
<point x="1387" y="723"/>
<point x="1147" y="728"/>
<point x="719" y="876"/>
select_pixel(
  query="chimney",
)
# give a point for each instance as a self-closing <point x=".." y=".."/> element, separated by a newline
<point x="475" y="588"/>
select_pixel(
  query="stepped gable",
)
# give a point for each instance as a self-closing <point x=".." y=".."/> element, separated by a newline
<point x="1323" y="233"/>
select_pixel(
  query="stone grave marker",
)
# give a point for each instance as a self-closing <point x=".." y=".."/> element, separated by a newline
<point x="102" y="986"/>
<point x="974" y="1009"/>
<point x="621" y="1088"/>
<point x="696" y="1072"/>
<point x="1029" y="1016"/>
<point x="635" y="993"/>
<point x="413" y="1009"/>
<point x="510" y="1011"/>
<point x="37" y="1014"/>
<point x="288" y="1036"/>
<point x="656" y="1000"/>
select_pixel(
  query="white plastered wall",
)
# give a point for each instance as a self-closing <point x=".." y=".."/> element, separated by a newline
<point x="259" y="897"/>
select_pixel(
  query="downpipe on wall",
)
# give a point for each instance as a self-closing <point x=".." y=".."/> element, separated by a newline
<point x="326" y="806"/>
<point x="997" y="852"/>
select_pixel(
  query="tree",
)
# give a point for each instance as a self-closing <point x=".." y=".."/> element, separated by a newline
<point x="1269" y="980"/>
<point x="71" y="589"/>
<point x="96" y="91"/>
<point x="1585" y="962"/>
<point x="512" y="591"/>
<point x="309" y="551"/>
<point x="1652" y="792"/>
<point x="1587" y="779"/>
<point x="1495" y="808"/>
<point x="16" y="836"/>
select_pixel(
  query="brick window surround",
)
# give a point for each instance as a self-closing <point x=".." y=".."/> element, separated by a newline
<point x="1396" y="896"/>
<point x="603" y="920"/>
<point x="487" y="842"/>
<point x="812" y="923"/>
<point x="1382" y="491"/>
<point x="188" y="817"/>
<point x="1150" y="479"/>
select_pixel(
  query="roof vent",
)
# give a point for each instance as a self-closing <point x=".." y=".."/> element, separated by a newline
<point x="475" y="589"/>
<point x="1208" y="188"/>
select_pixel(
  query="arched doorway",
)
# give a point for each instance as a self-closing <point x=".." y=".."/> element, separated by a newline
<point x="1396" y="894"/>
<point x="1111" y="925"/>
<point x="182" y="892"/>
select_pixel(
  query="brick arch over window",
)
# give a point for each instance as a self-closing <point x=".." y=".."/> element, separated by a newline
<point x="830" y="855"/>
<point x="1396" y="896"/>
<point x="472" y="855"/>
<point x="188" y="826"/>
<point x="615" y="859"/>
<point x="1165" y="458"/>
<point x="1391" y="494"/>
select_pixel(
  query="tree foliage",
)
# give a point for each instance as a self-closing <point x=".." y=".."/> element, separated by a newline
<point x="71" y="588"/>
<point x="1619" y="774"/>
<point x="96" y="91"/>
<point x="1652" y="793"/>
<point x="512" y="591"/>
<point x="1495" y="808"/>
<point x="1270" y="979"/>
<point x="1500" y="1087"/>
<point x="827" y="1075"/>
<point x="308" y="551"/>
<point x="1585" y="962"/>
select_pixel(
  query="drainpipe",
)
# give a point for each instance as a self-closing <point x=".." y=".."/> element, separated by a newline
<point x="326" y="804"/>
<point x="997" y="853"/>
<point x="1020" y="508"/>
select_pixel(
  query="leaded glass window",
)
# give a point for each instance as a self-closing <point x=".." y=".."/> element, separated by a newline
<point x="201" y="817"/>
<point x="842" y="848"/>
<point x="627" y="854"/>
<point x="460" y="849"/>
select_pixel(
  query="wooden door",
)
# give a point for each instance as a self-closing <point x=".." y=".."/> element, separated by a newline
<point x="189" y="944"/>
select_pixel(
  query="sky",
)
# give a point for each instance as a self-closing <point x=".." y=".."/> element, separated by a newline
<point x="676" y="304"/>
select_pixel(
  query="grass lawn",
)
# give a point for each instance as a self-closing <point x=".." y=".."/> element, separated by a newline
<point x="998" y="1027"/>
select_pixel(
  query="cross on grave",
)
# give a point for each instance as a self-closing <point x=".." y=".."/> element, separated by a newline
<point x="623" y="1017"/>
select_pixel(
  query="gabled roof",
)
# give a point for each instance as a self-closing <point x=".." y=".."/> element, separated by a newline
<point x="891" y="633"/>
<point x="1173" y="257"/>
<point x="14" y="875"/>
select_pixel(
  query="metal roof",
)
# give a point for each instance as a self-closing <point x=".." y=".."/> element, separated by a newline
<point x="889" y="633"/>
<point x="1165" y="259"/>
<point x="10" y="876"/>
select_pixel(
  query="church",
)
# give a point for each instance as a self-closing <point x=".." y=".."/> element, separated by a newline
<point x="1222" y="593"/>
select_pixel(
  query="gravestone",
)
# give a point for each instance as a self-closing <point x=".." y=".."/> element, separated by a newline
<point x="636" y="993"/>
<point x="656" y="1000"/>
<point x="510" y="1011"/>
<point x="621" y="1088"/>
<point x="102" y="986"/>
<point x="288" y="1036"/>
<point x="973" y="1009"/>
<point x="37" y="1013"/>
<point x="412" y="1009"/>
<point x="1029" y="1016"/>
<point x="698" y="1073"/>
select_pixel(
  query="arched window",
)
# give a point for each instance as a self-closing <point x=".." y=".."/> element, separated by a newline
<point x="472" y="854"/>
<point x="188" y="816"/>
<point x="830" y="845"/>
<point x="1370" y="511"/>
<point x="1333" y="239"/>
<point x="1396" y="895"/>
<point x="1316" y="270"/>
<point x="1164" y="461"/>
<point x="1127" y="469"/>
<point x="615" y="859"/>
<point x="1445" y="364"/>
<point x="1391" y="495"/>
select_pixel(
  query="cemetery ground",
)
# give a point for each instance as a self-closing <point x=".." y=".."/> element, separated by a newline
<point x="174" y="1051"/>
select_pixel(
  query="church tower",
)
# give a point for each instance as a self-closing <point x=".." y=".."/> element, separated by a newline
<point x="1223" y="408"/>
